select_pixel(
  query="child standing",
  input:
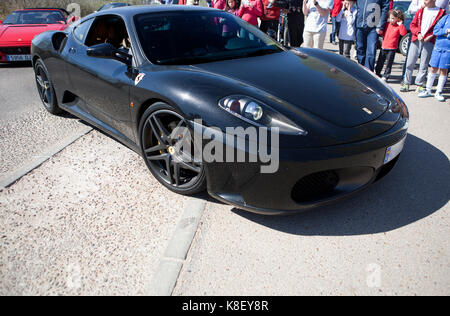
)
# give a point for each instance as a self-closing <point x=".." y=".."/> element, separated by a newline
<point x="347" y="29"/>
<point x="232" y="6"/>
<point x="422" y="43"/>
<point x="392" y="32"/>
<point x="440" y="59"/>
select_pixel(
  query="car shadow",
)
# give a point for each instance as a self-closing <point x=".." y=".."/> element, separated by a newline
<point x="418" y="186"/>
<point x="24" y="64"/>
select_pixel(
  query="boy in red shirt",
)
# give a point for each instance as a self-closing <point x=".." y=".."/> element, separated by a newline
<point x="392" y="33"/>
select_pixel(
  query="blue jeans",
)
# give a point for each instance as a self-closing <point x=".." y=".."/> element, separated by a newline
<point x="366" y="46"/>
<point x="334" y="30"/>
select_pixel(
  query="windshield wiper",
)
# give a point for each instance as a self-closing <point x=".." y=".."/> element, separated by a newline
<point x="261" y="52"/>
<point x="208" y="59"/>
<point x="186" y="60"/>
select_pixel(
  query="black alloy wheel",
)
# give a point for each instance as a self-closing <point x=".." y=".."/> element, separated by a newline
<point x="168" y="150"/>
<point x="45" y="88"/>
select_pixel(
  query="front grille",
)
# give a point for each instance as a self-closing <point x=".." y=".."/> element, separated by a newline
<point x="24" y="50"/>
<point x="315" y="187"/>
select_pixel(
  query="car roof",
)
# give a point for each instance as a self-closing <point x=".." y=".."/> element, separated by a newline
<point x="137" y="9"/>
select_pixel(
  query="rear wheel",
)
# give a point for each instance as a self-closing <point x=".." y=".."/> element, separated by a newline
<point x="45" y="88"/>
<point x="167" y="148"/>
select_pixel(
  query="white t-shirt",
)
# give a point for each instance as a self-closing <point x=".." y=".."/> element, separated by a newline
<point x="315" y="22"/>
<point x="429" y="15"/>
<point x="417" y="4"/>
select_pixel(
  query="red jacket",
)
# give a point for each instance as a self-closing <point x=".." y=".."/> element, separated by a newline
<point x="392" y="34"/>
<point x="220" y="4"/>
<point x="416" y="25"/>
<point x="270" y="14"/>
<point x="251" y="15"/>
<point x="338" y="4"/>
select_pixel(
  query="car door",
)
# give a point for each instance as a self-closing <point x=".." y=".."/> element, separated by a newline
<point x="103" y="85"/>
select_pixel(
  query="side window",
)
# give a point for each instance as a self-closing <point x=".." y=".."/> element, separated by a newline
<point x="81" y="30"/>
<point x="108" y="29"/>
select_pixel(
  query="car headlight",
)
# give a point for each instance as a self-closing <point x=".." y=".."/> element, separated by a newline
<point x="400" y="107"/>
<point x="259" y="114"/>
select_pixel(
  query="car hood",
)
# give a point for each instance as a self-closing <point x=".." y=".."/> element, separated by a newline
<point x="25" y="33"/>
<point x="321" y="88"/>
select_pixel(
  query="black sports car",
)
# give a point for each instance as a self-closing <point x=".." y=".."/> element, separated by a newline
<point x="152" y="77"/>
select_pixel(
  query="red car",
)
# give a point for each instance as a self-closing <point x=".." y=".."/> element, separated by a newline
<point x="19" y="29"/>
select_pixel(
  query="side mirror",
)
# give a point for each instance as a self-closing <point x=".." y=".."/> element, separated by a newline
<point x="108" y="51"/>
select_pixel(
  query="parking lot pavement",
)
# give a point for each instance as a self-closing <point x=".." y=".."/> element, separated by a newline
<point x="391" y="239"/>
<point x="91" y="220"/>
<point x="26" y="129"/>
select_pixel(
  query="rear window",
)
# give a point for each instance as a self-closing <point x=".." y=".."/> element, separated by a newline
<point x="36" y="17"/>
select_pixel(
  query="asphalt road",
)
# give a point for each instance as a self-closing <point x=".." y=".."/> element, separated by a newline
<point x="26" y="129"/>
<point x="92" y="220"/>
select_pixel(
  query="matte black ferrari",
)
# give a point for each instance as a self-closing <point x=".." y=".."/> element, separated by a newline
<point x="141" y="73"/>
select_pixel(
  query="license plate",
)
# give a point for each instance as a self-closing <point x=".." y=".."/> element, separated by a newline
<point x="394" y="150"/>
<point x="18" y="57"/>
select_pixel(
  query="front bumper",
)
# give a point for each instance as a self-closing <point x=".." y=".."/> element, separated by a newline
<point x="306" y="178"/>
<point x="21" y="50"/>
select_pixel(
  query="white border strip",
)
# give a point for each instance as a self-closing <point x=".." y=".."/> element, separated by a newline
<point x="166" y="275"/>
<point x="14" y="176"/>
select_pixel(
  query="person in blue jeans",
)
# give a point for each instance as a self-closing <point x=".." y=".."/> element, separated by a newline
<point x="370" y="22"/>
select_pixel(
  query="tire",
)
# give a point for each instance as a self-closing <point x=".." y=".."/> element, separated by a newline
<point x="403" y="45"/>
<point x="45" y="88"/>
<point x="158" y="133"/>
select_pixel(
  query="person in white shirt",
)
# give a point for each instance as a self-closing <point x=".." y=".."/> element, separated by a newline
<point x="417" y="4"/>
<point x="422" y="44"/>
<point x="347" y="29"/>
<point x="316" y="13"/>
<point x="413" y="8"/>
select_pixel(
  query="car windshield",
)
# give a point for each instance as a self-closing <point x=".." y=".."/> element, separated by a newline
<point x="36" y="17"/>
<point x="180" y="38"/>
<point x="403" y="6"/>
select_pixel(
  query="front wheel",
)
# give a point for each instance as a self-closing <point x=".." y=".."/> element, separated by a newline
<point x="168" y="150"/>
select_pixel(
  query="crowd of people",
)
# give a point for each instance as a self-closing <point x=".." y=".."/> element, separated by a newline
<point x="360" y="23"/>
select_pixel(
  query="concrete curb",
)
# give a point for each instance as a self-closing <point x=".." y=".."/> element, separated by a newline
<point x="166" y="275"/>
<point x="12" y="177"/>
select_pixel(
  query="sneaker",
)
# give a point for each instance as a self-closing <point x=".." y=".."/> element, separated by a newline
<point x="404" y="88"/>
<point x="425" y="94"/>
<point x="439" y="97"/>
<point x="384" y="79"/>
<point x="420" y="89"/>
